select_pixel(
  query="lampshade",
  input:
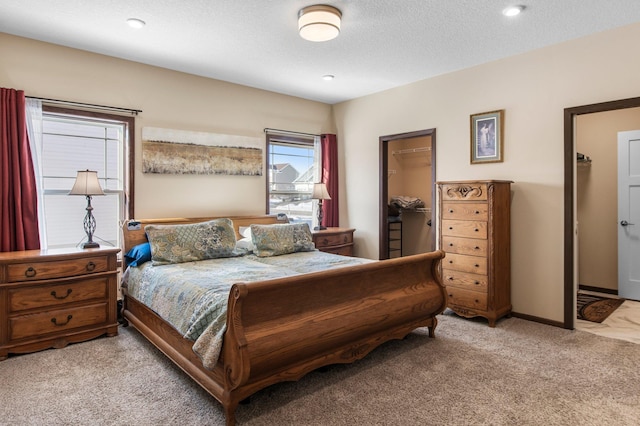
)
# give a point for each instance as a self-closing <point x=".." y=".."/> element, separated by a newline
<point x="86" y="184"/>
<point x="319" y="23"/>
<point x="320" y="192"/>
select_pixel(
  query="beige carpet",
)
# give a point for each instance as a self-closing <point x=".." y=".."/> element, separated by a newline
<point x="520" y="373"/>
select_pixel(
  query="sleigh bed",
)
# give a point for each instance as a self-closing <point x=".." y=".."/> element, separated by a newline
<point x="282" y="327"/>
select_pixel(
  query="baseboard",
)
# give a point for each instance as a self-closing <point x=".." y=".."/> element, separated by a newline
<point x="597" y="289"/>
<point x="538" y="319"/>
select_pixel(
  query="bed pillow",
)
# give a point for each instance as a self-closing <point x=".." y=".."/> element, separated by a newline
<point x="138" y="255"/>
<point x="190" y="242"/>
<point x="245" y="244"/>
<point x="277" y="239"/>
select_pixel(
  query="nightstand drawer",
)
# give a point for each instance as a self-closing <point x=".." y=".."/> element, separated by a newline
<point x="464" y="263"/>
<point x="333" y="240"/>
<point x="31" y="271"/>
<point x="464" y="192"/>
<point x="472" y="246"/>
<point x="57" y="321"/>
<point x="21" y="299"/>
<point x="465" y="211"/>
<point x="466" y="280"/>
<point x="343" y="251"/>
<point x="467" y="298"/>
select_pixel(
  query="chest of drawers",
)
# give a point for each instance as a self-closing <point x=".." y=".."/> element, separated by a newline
<point x="334" y="240"/>
<point x="49" y="298"/>
<point x="475" y="234"/>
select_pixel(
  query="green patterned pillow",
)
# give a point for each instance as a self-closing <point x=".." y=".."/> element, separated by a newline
<point x="191" y="242"/>
<point x="277" y="239"/>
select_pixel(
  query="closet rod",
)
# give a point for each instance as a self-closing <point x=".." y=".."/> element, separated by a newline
<point x="82" y="104"/>
<point x="288" y="132"/>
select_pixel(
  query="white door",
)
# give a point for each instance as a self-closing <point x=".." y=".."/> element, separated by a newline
<point x="629" y="214"/>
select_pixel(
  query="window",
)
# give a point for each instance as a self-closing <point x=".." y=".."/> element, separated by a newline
<point x="293" y="165"/>
<point x="80" y="140"/>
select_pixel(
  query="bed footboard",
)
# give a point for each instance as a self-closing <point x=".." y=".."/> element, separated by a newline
<point x="280" y="330"/>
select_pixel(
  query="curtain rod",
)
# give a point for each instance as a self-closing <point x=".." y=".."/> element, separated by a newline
<point x="288" y="132"/>
<point x="82" y="104"/>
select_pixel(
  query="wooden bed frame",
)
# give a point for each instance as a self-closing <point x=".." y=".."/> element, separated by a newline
<point x="279" y="330"/>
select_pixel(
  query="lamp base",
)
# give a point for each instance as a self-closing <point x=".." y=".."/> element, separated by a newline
<point x="90" y="244"/>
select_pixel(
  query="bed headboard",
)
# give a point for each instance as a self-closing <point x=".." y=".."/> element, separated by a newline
<point x="133" y="230"/>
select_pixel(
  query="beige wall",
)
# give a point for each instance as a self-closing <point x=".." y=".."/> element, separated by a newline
<point x="533" y="89"/>
<point x="171" y="100"/>
<point x="597" y="197"/>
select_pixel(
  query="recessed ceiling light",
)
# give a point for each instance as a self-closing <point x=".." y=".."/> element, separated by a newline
<point x="136" y="23"/>
<point x="512" y="10"/>
<point x="328" y="77"/>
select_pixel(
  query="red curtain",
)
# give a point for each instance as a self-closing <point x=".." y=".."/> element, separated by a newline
<point x="329" y="144"/>
<point x="18" y="195"/>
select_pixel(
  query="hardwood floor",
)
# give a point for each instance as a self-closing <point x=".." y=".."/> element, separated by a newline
<point x="623" y="323"/>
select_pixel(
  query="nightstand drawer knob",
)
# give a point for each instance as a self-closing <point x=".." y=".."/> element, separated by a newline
<point x="53" y="293"/>
<point x="30" y="272"/>
<point x="55" y="322"/>
<point x="91" y="266"/>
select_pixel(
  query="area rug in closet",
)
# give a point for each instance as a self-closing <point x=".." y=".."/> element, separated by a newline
<point x="596" y="308"/>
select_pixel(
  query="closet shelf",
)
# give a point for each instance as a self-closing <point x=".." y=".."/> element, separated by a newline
<point x="411" y="150"/>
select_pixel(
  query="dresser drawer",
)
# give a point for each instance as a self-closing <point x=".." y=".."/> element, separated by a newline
<point x="459" y="245"/>
<point x="467" y="298"/>
<point x="329" y="240"/>
<point x="31" y="297"/>
<point x="464" y="192"/>
<point x="465" y="211"/>
<point x="55" y="321"/>
<point x="464" y="263"/>
<point x="31" y="271"/>
<point x="466" y="280"/>
<point x="464" y="228"/>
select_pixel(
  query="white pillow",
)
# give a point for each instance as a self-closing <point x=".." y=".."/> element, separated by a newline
<point x="245" y="244"/>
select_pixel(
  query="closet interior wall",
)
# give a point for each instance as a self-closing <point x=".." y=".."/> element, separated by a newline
<point x="409" y="174"/>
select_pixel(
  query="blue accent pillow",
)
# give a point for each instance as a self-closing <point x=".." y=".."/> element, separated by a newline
<point x="138" y="255"/>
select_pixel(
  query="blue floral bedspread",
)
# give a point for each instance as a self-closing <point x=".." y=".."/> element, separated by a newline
<point x="193" y="296"/>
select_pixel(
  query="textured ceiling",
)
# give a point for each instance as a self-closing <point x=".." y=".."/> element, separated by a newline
<point x="383" y="43"/>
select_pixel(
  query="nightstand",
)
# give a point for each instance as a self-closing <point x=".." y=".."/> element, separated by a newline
<point x="50" y="298"/>
<point x="334" y="240"/>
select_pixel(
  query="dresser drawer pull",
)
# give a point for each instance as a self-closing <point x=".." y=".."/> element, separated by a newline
<point x="30" y="272"/>
<point x="55" y="322"/>
<point x="345" y="239"/>
<point x="450" y="244"/>
<point x="53" y="293"/>
<point x="476" y="265"/>
<point x="477" y="283"/>
<point x="477" y="212"/>
<point x="450" y="278"/>
<point x="476" y="248"/>
<point x="450" y="210"/>
<point x="451" y="227"/>
<point x="476" y="230"/>
<point x="91" y="266"/>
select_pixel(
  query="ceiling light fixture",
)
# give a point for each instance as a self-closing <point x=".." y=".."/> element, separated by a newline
<point x="136" y="23"/>
<point x="319" y="22"/>
<point x="512" y="10"/>
<point x="328" y="77"/>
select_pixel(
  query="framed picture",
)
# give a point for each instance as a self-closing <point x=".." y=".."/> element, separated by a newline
<point x="486" y="137"/>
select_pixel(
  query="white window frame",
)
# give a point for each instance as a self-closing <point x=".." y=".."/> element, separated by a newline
<point x="300" y="190"/>
<point x="120" y="186"/>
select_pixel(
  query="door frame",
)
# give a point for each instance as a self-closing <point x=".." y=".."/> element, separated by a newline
<point x="570" y="195"/>
<point x="384" y="186"/>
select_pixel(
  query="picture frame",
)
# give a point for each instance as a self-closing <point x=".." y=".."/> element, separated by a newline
<point x="487" y="144"/>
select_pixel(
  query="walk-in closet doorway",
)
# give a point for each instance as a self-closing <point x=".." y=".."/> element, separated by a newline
<point x="407" y="176"/>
